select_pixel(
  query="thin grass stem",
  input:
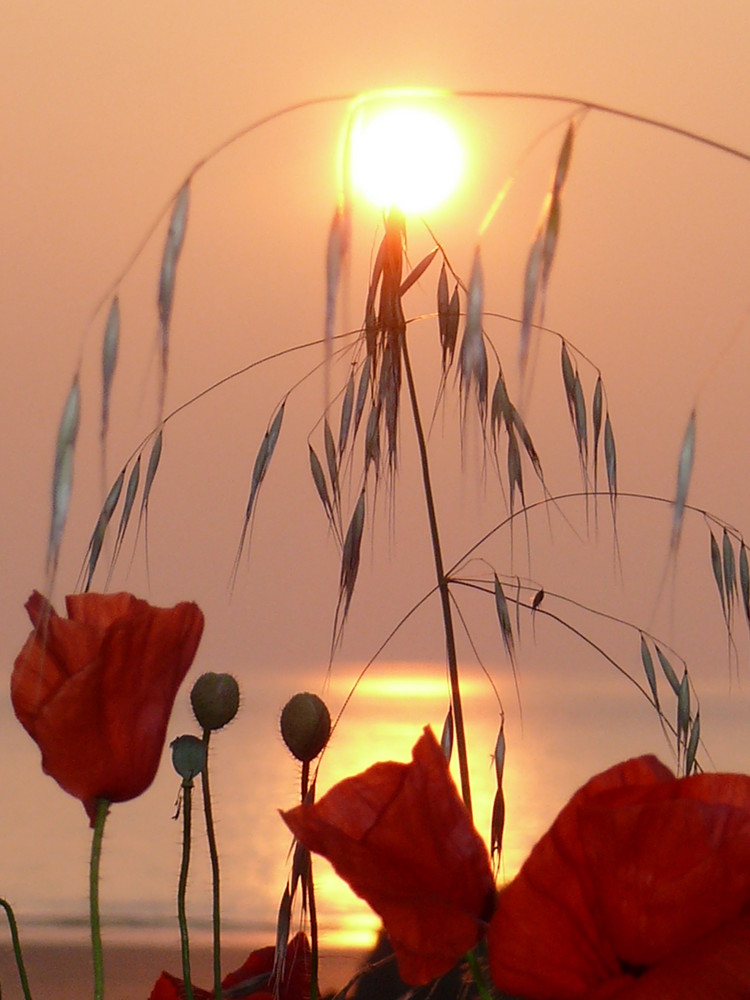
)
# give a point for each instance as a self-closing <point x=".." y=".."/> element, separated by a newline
<point x="442" y="583"/>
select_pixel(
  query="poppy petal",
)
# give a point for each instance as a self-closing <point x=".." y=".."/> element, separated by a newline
<point x="400" y="836"/>
<point x="638" y="868"/>
<point x="256" y="971"/>
<point x="95" y="690"/>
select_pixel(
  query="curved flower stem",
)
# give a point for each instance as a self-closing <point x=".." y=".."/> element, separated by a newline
<point x="187" y="805"/>
<point x="442" y="582"/>
<point x="102" y="808"/>
<point x="216" y="883"/>
<point x="16" y="948"/>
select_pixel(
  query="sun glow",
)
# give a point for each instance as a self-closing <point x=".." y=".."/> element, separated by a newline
<point x="405" y="157"/>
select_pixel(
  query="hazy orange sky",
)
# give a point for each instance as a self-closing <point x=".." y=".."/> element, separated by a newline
<point x="105" y="109"/>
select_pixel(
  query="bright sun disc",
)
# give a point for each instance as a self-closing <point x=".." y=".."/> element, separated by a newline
<point x="405" y="157"/>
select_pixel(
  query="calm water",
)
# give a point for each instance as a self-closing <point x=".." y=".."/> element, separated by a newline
<point x="45" y="838"/>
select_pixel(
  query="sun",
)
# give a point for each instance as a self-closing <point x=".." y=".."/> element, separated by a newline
<point x="405" y="157"/>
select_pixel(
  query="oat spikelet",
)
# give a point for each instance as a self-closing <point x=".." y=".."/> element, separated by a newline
<point x="105" y="516"/>
<point x="336" y="252"/>
<point x="648" y="666"/>
<point x="730" y="571"/>
<point x="684" y="472"/>
<point x="320" y="484"/>
<point x="745" y="580"/>
<point x="416" y="272"/>
<point x="718" y="576"/>
<point x="503" y="617"/>
<point x="446" y="737"/>
<point x="127" y="507"/>
<point x="346" y="415"/>
<point x="610" y="458"/>
<point x="683" y="711"/>
<point x="448" y="315"/>
<point x="260" y="468"/>
<point x="349" y="566"/>
<point x="542" y="250"/>
<point x="668" y="670"/>
<point x="596" y="419"/>
<point x="364" y="384"/>
<point x="532" y="276"/>
<point x="167" y="274"/>
<point x="472" y="361"/>
<point x="693" y="743"/>
<point x="62" y="476"/>
<point x="154" y="459"/>
<point x="498" y="807"/>
<point x="110" y="346"/>
<point x="331" y="460"/>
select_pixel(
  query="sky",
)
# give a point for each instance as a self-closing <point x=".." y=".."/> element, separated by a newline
<point x="105" y="110"/>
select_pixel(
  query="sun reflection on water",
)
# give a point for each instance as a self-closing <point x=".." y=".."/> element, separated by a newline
<point x="560" y="744"/>
<point x="383" y="722"/>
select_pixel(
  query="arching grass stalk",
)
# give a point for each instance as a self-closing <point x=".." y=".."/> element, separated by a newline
<point x="16" y="948"/>
<point x="442" y="583"/>
<point x="215" y="876"/>
<point x="102" y="808"/>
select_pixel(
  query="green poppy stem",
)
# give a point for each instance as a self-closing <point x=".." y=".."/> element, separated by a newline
<point x="187" y="805"/>
<point x="310" y="890"/>
<point x="102" y="808"/>
<point x="214" y="854"/>
<point x="478" y="976"/>
<point x="16" y="948"/>
<point x="314" y="962"/>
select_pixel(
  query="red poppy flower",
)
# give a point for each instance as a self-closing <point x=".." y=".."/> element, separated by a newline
<point x="400" y="836"/>
<point x="95" y="690"/>
<point x="255" y="977"/>
<point x="640" y="890"/>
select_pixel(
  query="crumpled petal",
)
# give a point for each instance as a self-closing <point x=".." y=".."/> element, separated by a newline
<point x="401" y="837"/>
<point x="254" y="978"/>
<point x="95" y="690"/>
<point x="637" y="867"/>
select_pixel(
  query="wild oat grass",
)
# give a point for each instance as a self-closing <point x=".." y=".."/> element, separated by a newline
<point x="355" y="452"/>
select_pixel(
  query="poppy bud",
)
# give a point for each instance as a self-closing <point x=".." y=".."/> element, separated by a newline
<point x="188" y="756"/>
<point x="215" y="699"/>
<point x="305" y="725"/>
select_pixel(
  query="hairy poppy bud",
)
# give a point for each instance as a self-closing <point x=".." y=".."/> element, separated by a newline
<point x="188" y="756"/>
<point x="215" y="699"/>
<point x="305" y="725"/>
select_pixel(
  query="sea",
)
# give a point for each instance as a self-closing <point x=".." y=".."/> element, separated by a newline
<point x="555" y="740"/>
